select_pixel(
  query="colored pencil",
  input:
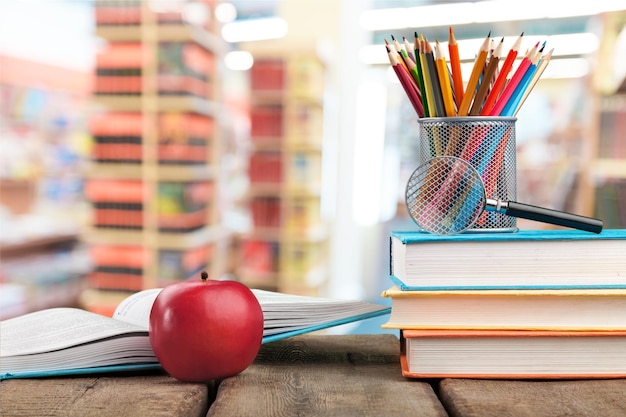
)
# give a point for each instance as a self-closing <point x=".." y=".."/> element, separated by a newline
<point x="408" y="49"/>
<point x="405" y="81"/>
<point x="511" y="85"/>
<point x="511" y="105"/>
<point x="417" y="50"/>
<point x="502" y="75"/>
<point x="444" y="81"/>
<point x="474" y="77"/>
<point x="437" y="90"/>
<point x="455" y="64"/>
<point x="545" y="60"/>
<point x="434" y="79"/>
<point x="428" y="85"/>
<point x="485" y="85"/>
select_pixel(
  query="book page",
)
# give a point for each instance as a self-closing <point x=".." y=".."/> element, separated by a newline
<point x="136" y="308"/>
<point x="281" y="312"/>
<point x="57" y="328"/>
<point x="285" y="312"/>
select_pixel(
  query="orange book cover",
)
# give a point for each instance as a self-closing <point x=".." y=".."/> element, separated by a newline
<point x="116" y="191"/>
<point x="119" y="256"/>
<point x="513" y="354"/>
<point x="115" y="281"/>
<point x="120" y="55"/>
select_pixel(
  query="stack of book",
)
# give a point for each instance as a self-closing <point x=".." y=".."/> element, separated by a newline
<point x="531" y="304"/>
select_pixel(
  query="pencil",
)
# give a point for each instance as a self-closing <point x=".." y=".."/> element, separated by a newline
<point x="420" y="81"/>
<point x="473" y="81"/>
<point x="514" y="101"/>
<point x="434" y="78"/>
<point x="511" y="85"/>
<point x="500" y="81"/>
<point x="545" y="60"/>
<point x="455" y="64"/>
<point x="444" y="81"/>
<point x="412" y="68"/>
<point x="405" y="80"/>
<point x="395" y="47"/>
<point x="407" y="48"/>
<point x="399" y="48"/>
<point x="428" y="85"/>
<point x="486" y="82"/>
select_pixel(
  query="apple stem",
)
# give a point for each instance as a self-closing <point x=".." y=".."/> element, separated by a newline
<point x="204" y="275"/>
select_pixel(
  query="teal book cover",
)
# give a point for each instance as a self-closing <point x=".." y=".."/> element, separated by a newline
<point x="527" y="259"/>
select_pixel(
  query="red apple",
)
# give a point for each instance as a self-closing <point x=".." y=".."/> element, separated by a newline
<point x="204" y="330"/>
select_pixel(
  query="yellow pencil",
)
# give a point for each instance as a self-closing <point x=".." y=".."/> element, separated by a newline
<point x="470" y="90"/>
<point x="444" y="81"/>
<point x="428" y="86"/>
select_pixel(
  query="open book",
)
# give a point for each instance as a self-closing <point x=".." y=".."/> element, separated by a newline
<point x="70" y="341"/>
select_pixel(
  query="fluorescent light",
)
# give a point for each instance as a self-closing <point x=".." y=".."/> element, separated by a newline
<point x="225" y="12"/>
<point x="563" y="45"/>
<point x="451" y="14"/>
<point x="196" y="13"/>
<point x="238" y="60"/>
<point x="566" y="68"/>
<point x="254" y="30"/>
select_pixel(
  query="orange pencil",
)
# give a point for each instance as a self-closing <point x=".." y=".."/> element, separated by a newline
<point x="504" y="72"/>
<point x="455" y="64"/>
<point x="486" y="82"/>
<point x="474" y="77"/>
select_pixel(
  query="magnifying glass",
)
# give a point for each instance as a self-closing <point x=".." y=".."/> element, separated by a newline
<point x="446" y="196"/>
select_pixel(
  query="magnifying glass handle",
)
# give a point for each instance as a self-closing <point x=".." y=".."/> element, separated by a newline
<point x="540" y="214"/>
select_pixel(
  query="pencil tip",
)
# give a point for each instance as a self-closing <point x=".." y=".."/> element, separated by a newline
<point x="522" y="34"/>
<point x="489" y="34"/>
<point x="393" y="38"/>
<point x="415" y="34"/>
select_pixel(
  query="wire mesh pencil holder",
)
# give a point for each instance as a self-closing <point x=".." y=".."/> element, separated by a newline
<point x="488" y="144"/>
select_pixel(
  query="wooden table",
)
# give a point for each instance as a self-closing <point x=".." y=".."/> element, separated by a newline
<point x="312" y="375"/>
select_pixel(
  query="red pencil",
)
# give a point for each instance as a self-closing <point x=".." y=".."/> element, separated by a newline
<point x="504" y="72"/>
<point x="406" y="81"/>
<point x="511" y="85"/>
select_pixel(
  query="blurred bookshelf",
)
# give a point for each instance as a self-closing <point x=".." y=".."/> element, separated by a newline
<point x="153" y="179"/>
<point x="42" y="263"/>
<point x="603" y="190"/>
<point x="287" y="247"/>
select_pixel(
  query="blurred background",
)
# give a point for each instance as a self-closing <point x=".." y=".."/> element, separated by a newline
<point x="142" y="142"/>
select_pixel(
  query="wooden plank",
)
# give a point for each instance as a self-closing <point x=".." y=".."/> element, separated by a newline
<point x="129" y="396"/>
<point x="326" y="375"/>
<point x="489" y="398"/>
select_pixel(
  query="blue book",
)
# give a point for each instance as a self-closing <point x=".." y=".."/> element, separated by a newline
<point x="527" y="259"/>
<point x="71" y="341"/>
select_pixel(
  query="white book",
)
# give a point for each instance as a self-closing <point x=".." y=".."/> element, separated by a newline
<point x="71" y="341"/>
